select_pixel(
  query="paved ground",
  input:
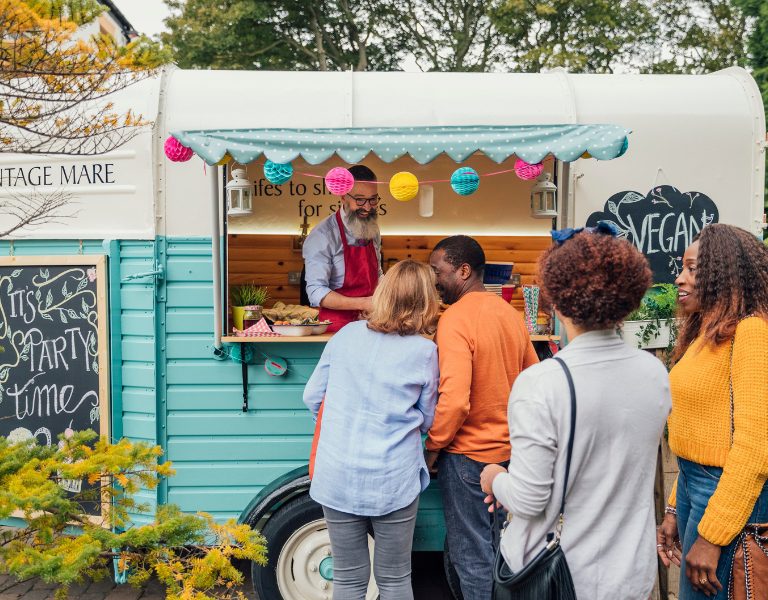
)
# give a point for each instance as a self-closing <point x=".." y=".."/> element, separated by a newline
<point x="428" y="584"/>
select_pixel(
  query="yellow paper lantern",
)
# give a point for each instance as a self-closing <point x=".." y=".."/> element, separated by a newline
<point x="404" y="186"/>
<point x="224" y="160"/>
<point x="586" y="155"/>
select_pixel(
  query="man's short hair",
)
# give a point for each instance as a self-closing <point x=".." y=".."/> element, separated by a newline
<point x="362" y="173"/>
<point x="462" y="249"/>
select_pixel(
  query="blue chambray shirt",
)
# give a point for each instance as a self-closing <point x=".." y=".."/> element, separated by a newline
<point x="323" y="255"/>
<point x="380" y="393"/>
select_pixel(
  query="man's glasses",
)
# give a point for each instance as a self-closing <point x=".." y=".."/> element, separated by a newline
<point x="371" y="200"/>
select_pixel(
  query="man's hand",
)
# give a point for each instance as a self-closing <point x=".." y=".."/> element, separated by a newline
<point x="701" y="566"/>
<point x="430" y="458"/>
<point x="488" y="475"/>
<point x="366" y="303"/>
<point x="668" y="541"/>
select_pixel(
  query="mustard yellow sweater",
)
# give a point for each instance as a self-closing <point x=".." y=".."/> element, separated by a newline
<point x="700" y="423"/>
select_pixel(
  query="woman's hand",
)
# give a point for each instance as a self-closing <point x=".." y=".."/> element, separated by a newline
<point x="701" y="566"/>
<point x="488" y="475"/>
<point x="668" y="541"/>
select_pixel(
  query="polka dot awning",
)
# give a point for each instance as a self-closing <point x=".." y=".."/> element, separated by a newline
<point x="532" y="143"/>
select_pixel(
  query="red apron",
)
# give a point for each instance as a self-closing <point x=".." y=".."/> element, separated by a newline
<point x="361" y="274"/>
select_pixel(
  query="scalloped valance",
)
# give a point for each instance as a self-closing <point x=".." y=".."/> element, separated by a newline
<point x="532" y="143"/>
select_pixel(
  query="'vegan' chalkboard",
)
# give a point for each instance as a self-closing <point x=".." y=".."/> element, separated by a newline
<point x="660" y="224"/>
<point x="53" y="352"/>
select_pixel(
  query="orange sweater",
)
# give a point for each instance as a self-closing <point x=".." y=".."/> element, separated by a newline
<point x="482" y="346"/>
<point x="700" y="423"/>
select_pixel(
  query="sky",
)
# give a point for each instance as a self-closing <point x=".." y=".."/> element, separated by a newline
<point x="146" y="16"/>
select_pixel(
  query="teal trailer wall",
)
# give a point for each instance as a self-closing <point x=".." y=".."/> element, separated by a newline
<point x="168" y="389"/>
<point x="222" y="456"/>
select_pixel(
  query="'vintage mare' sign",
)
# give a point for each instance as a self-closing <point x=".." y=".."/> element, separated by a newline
<point x="53" y="353"/>
<point x="661" y="224"/>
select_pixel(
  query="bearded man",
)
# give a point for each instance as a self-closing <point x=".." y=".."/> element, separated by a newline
<point x="342" y="254"/>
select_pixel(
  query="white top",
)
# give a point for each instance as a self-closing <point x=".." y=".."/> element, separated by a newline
<point x="622" y="402"/>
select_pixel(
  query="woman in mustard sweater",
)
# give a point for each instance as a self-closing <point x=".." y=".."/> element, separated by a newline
<point x="718" y="427"/>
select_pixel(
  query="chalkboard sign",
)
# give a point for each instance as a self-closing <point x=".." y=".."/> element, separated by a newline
<point x="54" y="353"/>
<point x="661" y="224"/>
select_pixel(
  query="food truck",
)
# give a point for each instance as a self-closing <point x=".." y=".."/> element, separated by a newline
<point x="129" y="294"/>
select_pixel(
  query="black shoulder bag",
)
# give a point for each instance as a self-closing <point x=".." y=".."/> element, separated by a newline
<point x="547" y="576"/>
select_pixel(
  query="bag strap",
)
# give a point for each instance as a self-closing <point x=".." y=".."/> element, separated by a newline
<point x="572" y="390"/>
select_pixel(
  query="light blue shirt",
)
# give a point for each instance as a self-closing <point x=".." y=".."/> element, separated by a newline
<point x="323" y="255"/>
<point x="380" y="393"/>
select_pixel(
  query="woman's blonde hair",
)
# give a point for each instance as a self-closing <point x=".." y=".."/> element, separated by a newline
<point x="406" y="301"/>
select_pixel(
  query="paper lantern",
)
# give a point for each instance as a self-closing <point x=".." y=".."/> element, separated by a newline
<point x="586" y="155"/>
<point x="176" y="151"/>
<point x="339" y="181"/>
<point x="527" y="171"/>
<point x="224" y="160"/>
<point x="404" y="186"/>
<point x="465" y="181"/>
<point x="277" y="173"/>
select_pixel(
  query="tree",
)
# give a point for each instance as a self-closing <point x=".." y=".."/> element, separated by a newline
<point x="447" y="35"/>
<point x="190" y="554"/>
<point x="699" y="36"/>
<point x="280" y="34"/>
<point x="54" y="90"/>
<point x="592" y="36"/>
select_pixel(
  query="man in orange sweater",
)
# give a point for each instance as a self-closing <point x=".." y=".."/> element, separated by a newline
<point x="482" y="347"/>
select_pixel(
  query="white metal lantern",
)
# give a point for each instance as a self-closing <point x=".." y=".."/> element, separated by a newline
<point x="239" y="194"/>
<point x="544" y="198"/>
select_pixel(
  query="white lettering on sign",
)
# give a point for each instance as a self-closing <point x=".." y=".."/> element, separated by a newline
<point x="50" y="176"/>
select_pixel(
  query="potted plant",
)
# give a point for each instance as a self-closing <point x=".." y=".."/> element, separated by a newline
<point x="243" y="297"/>
<point x="652" y="324"/>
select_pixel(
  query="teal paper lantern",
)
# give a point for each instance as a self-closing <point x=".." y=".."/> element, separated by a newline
<point x="465" y="181"/>
<point x="277" y="173"/>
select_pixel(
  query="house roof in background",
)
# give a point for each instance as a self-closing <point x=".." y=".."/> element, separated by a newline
<point x="125" y="25"/>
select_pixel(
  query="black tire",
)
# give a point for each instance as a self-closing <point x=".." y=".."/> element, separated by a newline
<point x="281" y="525"/>
<point x="451" y="576"/>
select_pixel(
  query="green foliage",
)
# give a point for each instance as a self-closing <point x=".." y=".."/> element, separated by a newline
<point x="280" y="34"/>
<point x="593" y="36"/>
<point x="78" y="11"/>
<point x="190" y="554"/>
<point x="659" y="306"/>
<point x="248" y="294"/>
<point x="699" y="36"/>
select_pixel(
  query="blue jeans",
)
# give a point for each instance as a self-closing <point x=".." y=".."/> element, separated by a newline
<point x="470" y="530"/>
<point x="695" y="485"/>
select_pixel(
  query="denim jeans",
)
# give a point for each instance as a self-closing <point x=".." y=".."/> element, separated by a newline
<point x="393" y="534"/>
<point x="695" y="485"/>
<point x="470" y="530"/>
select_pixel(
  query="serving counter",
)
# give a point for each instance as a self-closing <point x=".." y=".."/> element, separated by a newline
<point x="232" y="339"/>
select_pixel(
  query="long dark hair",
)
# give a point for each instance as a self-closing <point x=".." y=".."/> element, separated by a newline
<point x="731" y="284"/>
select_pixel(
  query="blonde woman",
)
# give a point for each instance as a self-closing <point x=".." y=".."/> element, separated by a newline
<point x="379" y="379"/>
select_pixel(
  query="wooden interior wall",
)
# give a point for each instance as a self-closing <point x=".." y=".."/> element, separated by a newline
<point x="267" y="259"/>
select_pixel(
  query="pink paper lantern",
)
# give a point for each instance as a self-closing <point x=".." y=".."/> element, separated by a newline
<point x="176" y="151"/>
<point x="339" y="181"/>
<point x="527" y="171"/>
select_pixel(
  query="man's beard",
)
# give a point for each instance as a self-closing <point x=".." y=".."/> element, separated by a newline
<point x="363" y="228"/>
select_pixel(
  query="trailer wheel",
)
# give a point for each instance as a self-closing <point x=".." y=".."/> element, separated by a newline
<point x="451" y="576"/>
<point x="299" y="550"/>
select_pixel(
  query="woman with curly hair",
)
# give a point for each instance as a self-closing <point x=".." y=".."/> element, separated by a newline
<point x="593" y="281"/>
<point x="719" y="422"/>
